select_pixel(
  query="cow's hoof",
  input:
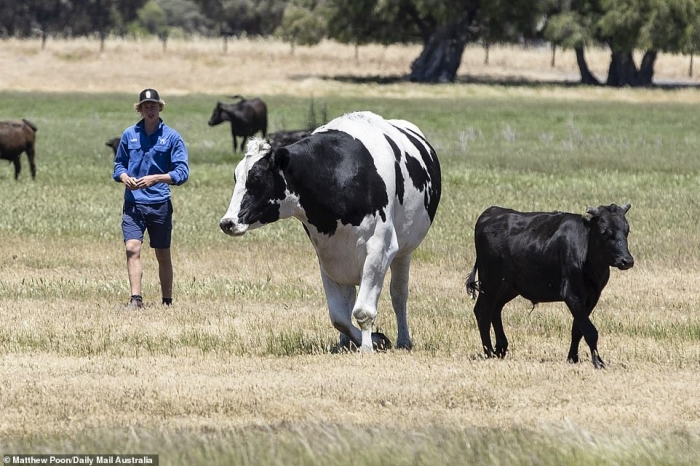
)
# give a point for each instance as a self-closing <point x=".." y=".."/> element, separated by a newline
<point x="573" y="359"/>
<point x="380" y="342"/>
<point x="345" y="345"/>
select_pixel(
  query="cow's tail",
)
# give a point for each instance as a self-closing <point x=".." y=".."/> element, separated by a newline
<point x="30" y="124"/>
<point x="473" y="285"/>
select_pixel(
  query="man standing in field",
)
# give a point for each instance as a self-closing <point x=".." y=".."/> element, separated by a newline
<point x="151" y="156"/>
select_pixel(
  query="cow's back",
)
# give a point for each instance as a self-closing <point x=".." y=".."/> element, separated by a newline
<point x="16" y="136"/>
<point x="529" y="250"/>
<point x="363" y="168"/>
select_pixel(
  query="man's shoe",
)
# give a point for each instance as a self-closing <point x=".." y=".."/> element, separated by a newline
<point x="136" y="302"/>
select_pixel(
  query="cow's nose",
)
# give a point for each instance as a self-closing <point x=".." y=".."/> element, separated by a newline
<point x="626" y="263"/>
<point x="226" y="224"/>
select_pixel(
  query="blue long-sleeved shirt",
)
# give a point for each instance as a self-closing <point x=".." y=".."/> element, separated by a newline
<point x="140" y="154"/>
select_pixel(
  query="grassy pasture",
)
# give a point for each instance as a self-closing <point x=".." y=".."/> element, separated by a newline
<point x="239" y="370"/>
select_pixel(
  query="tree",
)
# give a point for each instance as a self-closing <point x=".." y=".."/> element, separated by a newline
<point x="185" y="16"/>
<point x="624" y="26"/>
<point x="443" y="27"/>
<point x="302" y="23"/>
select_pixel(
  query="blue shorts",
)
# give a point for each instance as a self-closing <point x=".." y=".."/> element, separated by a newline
<point x="157" y="219"/>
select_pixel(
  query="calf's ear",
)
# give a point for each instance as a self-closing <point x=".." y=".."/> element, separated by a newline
<point x="593" y="212"/>
<point x="590" y="214"/>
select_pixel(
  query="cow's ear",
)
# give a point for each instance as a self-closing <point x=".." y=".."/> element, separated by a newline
<point x="626" y="207"/>
<point x="280" y="158"/>
<point x="591" y="213"/>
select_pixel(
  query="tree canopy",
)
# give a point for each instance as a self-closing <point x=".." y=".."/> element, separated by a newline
<point x="442" y="27"/>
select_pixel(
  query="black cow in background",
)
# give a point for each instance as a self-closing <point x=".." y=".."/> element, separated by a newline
<point x="114" y="144"/>
<point x="284" y="138"/>
<point x="17" y="136"/>
<point x="546" y="257"/>
<point x="247" y="117"/>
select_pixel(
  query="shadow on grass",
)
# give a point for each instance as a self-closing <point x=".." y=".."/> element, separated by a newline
<point x="504" y="81"/>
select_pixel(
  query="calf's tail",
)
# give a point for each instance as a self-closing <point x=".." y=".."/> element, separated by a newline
<point x="473" y="285"/>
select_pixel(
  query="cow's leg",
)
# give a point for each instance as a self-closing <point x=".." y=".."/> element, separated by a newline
<point x="576" y="336"/>
<point x="398" y="289"/>
<point x="482" y="311"/>
<point x="243" y="143"/>
<point x="32" y="165"/>
<point x="488" y="309"/>
<point x="590" y="334"/>
<point x="341" y="299"/>
<point x="381" y="249"/>
<point x="504" y="295"/>
<point x="583" y="322"/>
<point x="18" y="166"/>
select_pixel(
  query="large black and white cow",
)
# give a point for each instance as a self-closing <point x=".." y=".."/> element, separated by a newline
<point x="546" y="257"/>
<point x="366" y="190"/>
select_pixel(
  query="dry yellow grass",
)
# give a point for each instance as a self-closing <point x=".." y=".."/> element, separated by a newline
<point x="264" y="67"/>
<point x="58" y="390"/>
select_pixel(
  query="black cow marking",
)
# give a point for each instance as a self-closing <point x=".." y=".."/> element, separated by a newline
<point x="397" y="169"/>
<point x="424" y="181"/>
<point x="326" y="178"/>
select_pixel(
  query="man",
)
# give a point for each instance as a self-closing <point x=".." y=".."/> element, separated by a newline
<point x="151" y="156"/>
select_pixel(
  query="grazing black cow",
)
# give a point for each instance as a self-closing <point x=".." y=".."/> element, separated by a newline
<point x="247" y="117"/>
<point x="284" y="138"/>
<point x="17" y="136"/>
<point x="114" y="144"/>
<point x="546" y="257"/>
<point x="366" y="190"/>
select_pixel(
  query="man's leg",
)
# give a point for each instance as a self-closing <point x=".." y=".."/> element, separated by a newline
<point x="134" y="267"/>
<point x="165" y="272"/>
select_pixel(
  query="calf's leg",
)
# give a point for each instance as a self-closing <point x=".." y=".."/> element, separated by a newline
<point x="504" y="296"/>
<point x="576" y="336"/>
<point x="482" y="312"/>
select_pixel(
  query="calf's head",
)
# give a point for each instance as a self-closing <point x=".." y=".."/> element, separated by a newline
<point x="259" y="190"/>
<point x="609" y="230"/>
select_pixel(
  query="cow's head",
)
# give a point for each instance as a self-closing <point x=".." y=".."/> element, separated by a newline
<point x="259" y="191"/>
<point x="217" y="115"/>
<point x="609" y="229"/>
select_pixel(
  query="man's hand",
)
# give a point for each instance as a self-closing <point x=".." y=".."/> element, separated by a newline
<point x="148" y="181"/>
<point x="130" y="182"/>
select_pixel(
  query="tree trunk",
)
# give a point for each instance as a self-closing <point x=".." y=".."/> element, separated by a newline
<point x="645" y="76"/>
<point x="690" y="67"/>
<point x="441" y="56"/>
<point x="586" y="76"/>
<point x="622" y="70"/>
